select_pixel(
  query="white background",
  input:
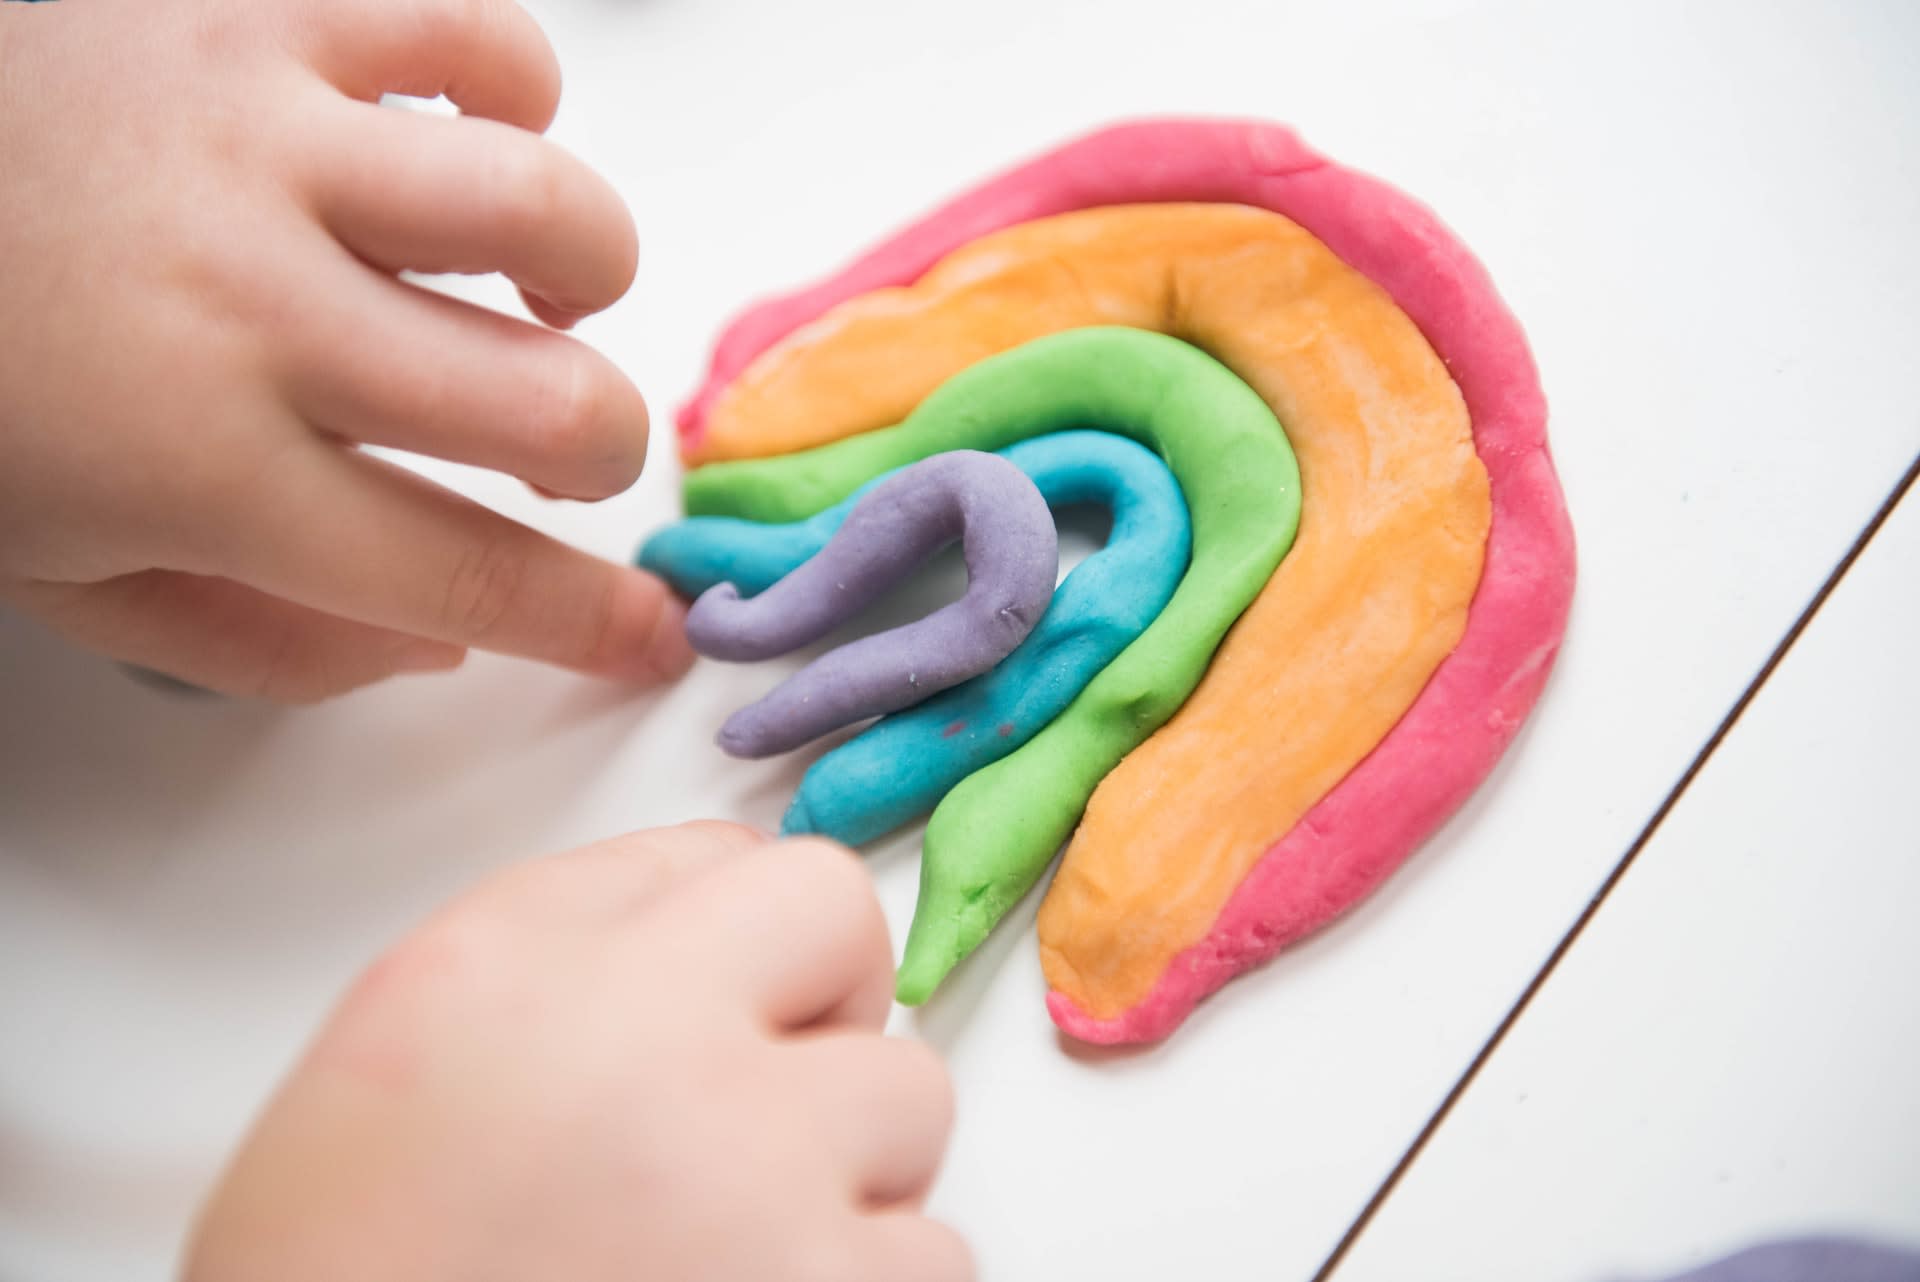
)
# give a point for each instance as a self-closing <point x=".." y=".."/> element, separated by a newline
<point x="1731" y="1050"/>
<point x="1704" y="215"/>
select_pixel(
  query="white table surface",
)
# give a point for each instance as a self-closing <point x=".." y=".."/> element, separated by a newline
<point x="1732" y="1049"/>
<point x="1702" y="212"/>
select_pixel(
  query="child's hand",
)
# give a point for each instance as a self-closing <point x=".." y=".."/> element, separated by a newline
<point x="202" y="211"/>
<point x="658" y="1057"/>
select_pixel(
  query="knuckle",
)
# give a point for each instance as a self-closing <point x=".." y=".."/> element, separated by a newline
<point x="449" y="954"/>
<point x="835" y="874"/>
<point x="226" y="31"/>
<point x="486" y="582"/>
<point x="492" y="917"/>
<point x="834" y="886"/>
<point x="511" y="898"/>
<point x="716" y="832"/>
<point x="678" y="855"/>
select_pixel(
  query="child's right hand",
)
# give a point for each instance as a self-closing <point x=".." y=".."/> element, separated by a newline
<point x="203" y="214"/>
<point x="657" y="1057"/>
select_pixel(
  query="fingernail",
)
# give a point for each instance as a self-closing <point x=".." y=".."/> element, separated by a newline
<point x="428" y="656"/>
<point x="646" y="642"/>
<point x="668" y="650"/>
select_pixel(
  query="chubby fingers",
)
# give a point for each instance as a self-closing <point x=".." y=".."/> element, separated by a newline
<point x="904" y="1246"/>
<point x="888" y="1102"/>
<point x="351" y="535"/>
<point x="407" y="190"/>
<point x="489" y="57"/>
<point x="789" y="931"/>
<point x="793" y="930"/>
<point x="901" y="1246"/>
<point x="229" y="638"/>
<point x="385" y="363"/>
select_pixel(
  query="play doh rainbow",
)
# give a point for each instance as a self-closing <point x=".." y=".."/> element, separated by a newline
<point x="1382" y="665"/>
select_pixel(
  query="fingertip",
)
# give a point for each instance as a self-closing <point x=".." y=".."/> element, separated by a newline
<point x="840" y="879"/>
<point x="798" y="935"/>
<point x="905" y="1243"/>
<point x="668" y="649"/>
<point x="645" y="637"/>
<point x="489" y="57"/>
<point x="550" y="314"/>
<point x="551" y="80"/>
<point x="589" y="436"/>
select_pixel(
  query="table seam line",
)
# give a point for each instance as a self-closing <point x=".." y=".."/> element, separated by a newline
<point x="1565" y="944"/>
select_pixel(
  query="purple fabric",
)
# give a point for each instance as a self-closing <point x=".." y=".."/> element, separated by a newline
<point x="1811" y="1260"/>
<point x="1013" y="558"/>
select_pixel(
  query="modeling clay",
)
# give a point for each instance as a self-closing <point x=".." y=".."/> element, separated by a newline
<point x="1319" y="751"/>
<point x="1012" y="558"/>
<point x="996" y="832"/>
<point x="897" y="771"/>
